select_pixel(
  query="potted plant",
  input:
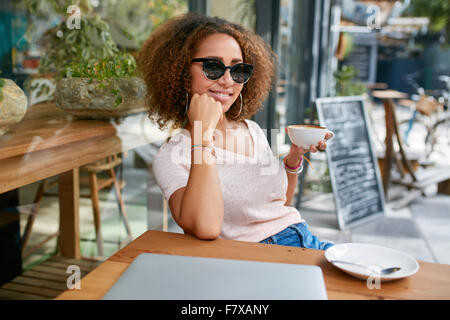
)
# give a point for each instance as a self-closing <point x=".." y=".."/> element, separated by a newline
<point x="345" y="83"/>
<point x="94" y="78"/>
<point x="102" y="89"/>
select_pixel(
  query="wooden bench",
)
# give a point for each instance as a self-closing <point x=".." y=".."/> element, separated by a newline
<point x="425" y="178"/>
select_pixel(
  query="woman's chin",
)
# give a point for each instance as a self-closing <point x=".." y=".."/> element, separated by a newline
<point x="226" y="108"/>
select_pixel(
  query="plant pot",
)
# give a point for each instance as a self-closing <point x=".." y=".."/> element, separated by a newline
<point x="13" y="105"/>
<point x="113" y="98"/>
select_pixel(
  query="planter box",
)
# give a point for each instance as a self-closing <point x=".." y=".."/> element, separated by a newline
<point x="85" y="98"/>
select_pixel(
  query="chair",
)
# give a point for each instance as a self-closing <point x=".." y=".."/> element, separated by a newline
<point x="43" y="186"/>
<point x="165" y="218"/>
<point x="408" y="177"/>
<point x="95" y="184"/>
<point x="171" y="133"/>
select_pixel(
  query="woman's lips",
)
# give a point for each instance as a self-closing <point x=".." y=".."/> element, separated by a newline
<point x="222" y="97"/>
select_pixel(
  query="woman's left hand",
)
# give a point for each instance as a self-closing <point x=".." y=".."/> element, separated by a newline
<point x="297" y="152"/>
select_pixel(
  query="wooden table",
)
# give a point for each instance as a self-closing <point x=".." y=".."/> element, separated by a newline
<point x="387" y="96"/>
<point x="432" y="281"/>
<point x="49" y="142"/>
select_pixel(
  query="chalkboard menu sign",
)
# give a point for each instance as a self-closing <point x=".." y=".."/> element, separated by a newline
<point x="363" y="56"/>
<point x="353" y="166"/>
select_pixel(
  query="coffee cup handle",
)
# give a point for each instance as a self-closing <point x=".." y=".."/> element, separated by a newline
<point x="332" y="136"/>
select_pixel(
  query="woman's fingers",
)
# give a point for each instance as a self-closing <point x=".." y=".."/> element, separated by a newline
<point x="205" y="109"/>
<point x="322" y="146"/>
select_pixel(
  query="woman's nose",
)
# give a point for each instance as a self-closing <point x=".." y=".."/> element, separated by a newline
<point x="226" y="79"/>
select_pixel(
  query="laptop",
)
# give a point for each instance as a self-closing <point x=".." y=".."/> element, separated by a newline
<point x="171" y="277"/>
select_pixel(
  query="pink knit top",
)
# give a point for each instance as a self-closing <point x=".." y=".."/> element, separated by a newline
<point x="253" y="188"/>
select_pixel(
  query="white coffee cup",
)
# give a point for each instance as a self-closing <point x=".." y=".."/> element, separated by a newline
<point x="307" y="135"/>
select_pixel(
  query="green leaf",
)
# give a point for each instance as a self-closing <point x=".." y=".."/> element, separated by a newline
<point x="84" y="53"/>
<point x="70" y="39"/>
<point x="118" y="101"/>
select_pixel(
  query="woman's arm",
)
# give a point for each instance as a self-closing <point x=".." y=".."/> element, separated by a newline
<point x="292" y="179"/>
<point x="198" y="208"/>
<point x="293" y="159"/>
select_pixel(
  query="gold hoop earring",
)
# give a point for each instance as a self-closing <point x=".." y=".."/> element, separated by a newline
<point x="187" y="103"/>
<point x="240" y="110"/>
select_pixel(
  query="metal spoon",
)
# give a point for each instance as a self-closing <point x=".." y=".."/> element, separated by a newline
<point x="384" y="271"/>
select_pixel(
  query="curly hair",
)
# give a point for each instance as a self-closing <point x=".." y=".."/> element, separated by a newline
<point x="165" y="58"/>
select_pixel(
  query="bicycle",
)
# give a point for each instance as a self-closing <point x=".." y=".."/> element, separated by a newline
<point x="432" y="114"/>
<point x="439" y="135"/>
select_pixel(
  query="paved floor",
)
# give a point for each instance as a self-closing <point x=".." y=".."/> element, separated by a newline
<point x="422" y="229"/>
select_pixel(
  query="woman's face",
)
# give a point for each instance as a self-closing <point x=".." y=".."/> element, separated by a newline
<point x="225" y="48"/>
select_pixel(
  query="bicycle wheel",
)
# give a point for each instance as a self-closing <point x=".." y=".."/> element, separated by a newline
<point x="414" y="134"/>
<point x="438" y="138"/>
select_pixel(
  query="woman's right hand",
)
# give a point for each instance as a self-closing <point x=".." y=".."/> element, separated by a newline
<point x="205" y="109"/>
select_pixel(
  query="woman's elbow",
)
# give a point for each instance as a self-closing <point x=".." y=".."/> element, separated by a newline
<point x="206" y="232"/>
<point x="201" y="228"/>
<point x="206" y="235"/>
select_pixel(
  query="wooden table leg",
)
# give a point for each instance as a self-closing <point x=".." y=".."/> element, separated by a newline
<point x="389" y="147"/>
<point x="69" y="195"/>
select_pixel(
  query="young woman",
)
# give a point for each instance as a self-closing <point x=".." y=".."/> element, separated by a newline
<point x="209" y="76"/>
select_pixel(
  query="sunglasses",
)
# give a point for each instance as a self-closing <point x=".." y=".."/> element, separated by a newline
<point x="213" y="69"/>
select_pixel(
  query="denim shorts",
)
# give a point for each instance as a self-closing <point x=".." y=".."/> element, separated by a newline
<point x="298" y="235"/>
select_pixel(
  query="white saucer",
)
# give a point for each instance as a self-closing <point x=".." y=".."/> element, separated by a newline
<point x="374" y="257"/>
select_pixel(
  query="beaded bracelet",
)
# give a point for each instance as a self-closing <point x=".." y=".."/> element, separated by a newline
<point x="205" y="146"/>
<point x="293" y="170"/>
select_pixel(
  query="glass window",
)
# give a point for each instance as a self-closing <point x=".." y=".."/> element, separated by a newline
<point x="286" y="71"/>
<point x="54" y="155"/>
<point x="239" y="11"/>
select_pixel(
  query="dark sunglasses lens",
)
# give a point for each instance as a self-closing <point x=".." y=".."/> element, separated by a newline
<point x="241" y="72"/>
<point x="213" y="69"/>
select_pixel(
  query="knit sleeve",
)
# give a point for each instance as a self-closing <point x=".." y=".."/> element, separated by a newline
<point x="171" y="165"/>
